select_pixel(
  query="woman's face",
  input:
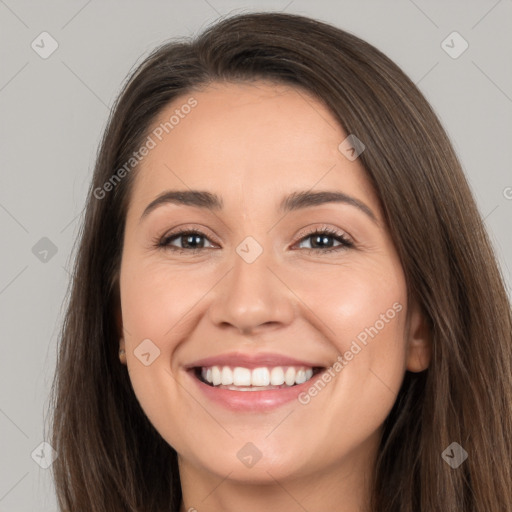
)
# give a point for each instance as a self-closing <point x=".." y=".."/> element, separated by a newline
<point x="262" y="294"/>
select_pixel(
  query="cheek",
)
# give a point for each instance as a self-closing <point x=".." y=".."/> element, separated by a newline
<point x="362" y="311"/>
<point x="369" y="312"/>
<point x="363" y="301"/>
<point x="156" y="299"/>
<point x="160" y="303"/>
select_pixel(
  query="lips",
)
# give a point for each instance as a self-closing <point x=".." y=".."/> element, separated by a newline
<point x="274" y="379"/>
<point x="245" y="360"/>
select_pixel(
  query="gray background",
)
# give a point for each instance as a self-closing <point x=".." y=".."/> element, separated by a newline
<point x="53" y="112"/>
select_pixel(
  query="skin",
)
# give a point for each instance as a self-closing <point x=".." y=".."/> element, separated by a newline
<point x="252" y="144"/>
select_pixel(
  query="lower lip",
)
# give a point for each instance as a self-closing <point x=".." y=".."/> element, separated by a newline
<point x="253" y="400"/>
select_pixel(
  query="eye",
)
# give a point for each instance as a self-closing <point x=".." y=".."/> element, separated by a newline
<point x="321" y="240"/>
<point x="191" y="241"/>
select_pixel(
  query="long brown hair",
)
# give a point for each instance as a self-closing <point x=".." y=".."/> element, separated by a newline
<point x="110" y="457"/>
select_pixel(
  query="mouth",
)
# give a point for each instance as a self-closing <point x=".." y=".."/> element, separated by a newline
<point x="251" y="383"/>
<point x="264" y="378"/>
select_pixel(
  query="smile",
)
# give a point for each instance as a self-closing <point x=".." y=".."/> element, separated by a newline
<point x="256" y="379"/>
<point x="272" y="380"/>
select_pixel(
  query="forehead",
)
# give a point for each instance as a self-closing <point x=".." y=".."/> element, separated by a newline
<point x="256" y="137"/>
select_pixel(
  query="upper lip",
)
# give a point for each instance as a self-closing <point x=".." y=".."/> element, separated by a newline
<point x="251" y="360"/>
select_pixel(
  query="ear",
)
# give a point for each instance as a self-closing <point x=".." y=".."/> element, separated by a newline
<point x="419" y="343"/>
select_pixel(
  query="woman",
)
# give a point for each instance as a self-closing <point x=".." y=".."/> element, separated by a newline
<point x="340" y="336"/>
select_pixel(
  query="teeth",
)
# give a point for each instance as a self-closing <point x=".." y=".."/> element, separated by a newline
<point x="216" y="376"/>
<point x="300" y="377"/>
<point x="289" y="377"/>
<point x="227" y="376"/>
<point x="242" y="376"/>
<point x="260" y="378"/>
<point x="277" y="376"/>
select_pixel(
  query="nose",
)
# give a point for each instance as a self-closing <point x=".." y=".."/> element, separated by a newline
<point x="253" y="297"/>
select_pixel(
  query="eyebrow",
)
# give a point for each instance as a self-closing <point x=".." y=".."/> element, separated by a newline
<point x="292" y="202"/>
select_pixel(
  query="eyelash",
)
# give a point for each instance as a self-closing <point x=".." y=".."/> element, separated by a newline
<point x="164" y="242"/>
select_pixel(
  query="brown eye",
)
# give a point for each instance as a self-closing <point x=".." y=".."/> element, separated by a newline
<point x="323" y="241"/>
<point x="191" y="240"/>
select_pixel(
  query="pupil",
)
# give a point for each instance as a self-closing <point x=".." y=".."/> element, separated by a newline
<point x="191" y="239"/>
<point x="324" y="239"/>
